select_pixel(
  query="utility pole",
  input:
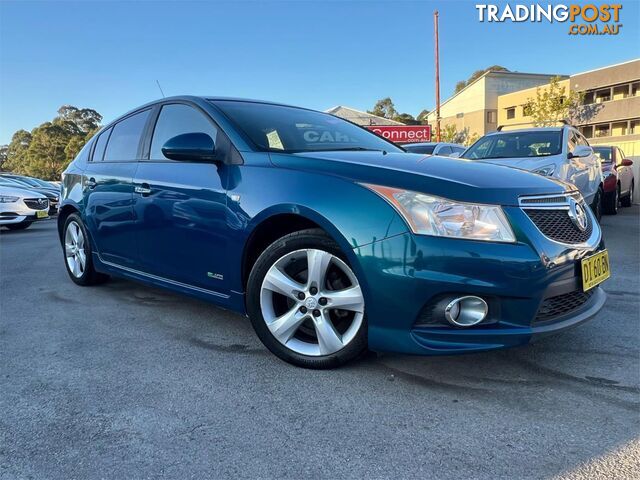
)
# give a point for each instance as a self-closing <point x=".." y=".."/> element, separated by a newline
<point x="437" y="58"/>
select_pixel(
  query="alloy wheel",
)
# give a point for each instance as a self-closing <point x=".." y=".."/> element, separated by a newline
<point x="311" y="302"/>
<point x="74" y="249"/>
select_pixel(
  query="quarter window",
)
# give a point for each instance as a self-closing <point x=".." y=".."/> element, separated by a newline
<point x="125" y="138"/>
<point x="177" y="119"/>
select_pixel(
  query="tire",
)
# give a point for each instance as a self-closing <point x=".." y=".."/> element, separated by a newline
<point x="628" y="200"/>
<point x="307" y="331"/>
<point x="610" y="202"/>
<point x="81" y="272"/>
<point x="596" y="206"/>
<point x="18" y="226"/>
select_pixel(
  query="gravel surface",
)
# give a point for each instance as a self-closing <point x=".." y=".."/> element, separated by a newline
<point x="127" y="381"/>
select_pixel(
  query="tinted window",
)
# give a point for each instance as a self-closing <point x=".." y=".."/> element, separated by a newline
<point x="125" y="138"/>
<point x="517" y="145"/>
<point x="424" y="149"/>
<point x="175" y="120"/>
<point x="101" y="143"/>
<point x="458" y="149"/>
<point x="446" y="150"/>
<point x="287" y="129"/>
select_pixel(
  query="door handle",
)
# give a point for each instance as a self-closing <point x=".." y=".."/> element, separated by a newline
<point x="91" y="183"/>
<point x="143" y="189"/>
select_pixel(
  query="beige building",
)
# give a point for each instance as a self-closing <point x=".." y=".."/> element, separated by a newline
<point x="610" y="111"/>
<point x="475" y="108"/>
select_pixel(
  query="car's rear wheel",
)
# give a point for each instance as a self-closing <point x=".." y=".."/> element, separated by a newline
<point x="305" y="301"/>
<point x="596" y="206"/>
<point x="628" y="200"/>
<point x="18" y="226"/>
<point x="610" y="201"/>
<point x="77" y="253"/>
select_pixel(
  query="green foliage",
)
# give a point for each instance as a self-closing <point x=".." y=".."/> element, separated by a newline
<point x="552" y="104"/>
<point x="450" y="134"/>
<point x="47" y="150"/>
<point x="477" y="74"/>
<point x="385" y="108"/>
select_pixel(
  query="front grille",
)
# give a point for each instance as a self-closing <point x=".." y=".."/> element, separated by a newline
<point x="557" y="225"/>
<point x="37" y="203"/>
<point x="559" y="305"/>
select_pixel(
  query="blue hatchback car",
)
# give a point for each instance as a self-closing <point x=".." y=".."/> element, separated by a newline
<point x="331" y="239"/>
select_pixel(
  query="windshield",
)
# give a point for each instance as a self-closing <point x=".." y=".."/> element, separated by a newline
<point x="14" y="182"/>
<point x="604" y="153"/>
<point x="25" y="181"/>
<point x="516" y="145"/>
<point x="277" y="128"/>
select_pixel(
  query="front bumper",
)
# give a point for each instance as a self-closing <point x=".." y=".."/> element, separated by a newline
<point x="405" y="274"/>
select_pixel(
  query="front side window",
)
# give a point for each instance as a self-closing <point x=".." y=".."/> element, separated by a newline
<point x="277" y="128"/>
<point x="177" y="119"/>
<point x="516" y="145"/>
<point x="125" y="138"/>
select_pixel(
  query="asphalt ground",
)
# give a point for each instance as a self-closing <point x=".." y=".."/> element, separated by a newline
<point x="127" y="381"/>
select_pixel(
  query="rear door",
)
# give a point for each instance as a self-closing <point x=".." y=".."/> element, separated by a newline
<point x="180" y="206"/>
<point x="625" y="174"/>
<point x="108" y="189"/>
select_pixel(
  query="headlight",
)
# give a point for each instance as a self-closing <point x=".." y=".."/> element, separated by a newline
<point x="547" y="170"/>
<point x="4" y="199"/>
<point x="429" y="215"/>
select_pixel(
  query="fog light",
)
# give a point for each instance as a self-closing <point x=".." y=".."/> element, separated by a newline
<point x="466" y="311"/>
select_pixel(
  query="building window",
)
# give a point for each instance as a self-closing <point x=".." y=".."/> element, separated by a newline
<point x="603" y="95"/>
<point x="634" y="127"/>
<point x="511" y="113"/>
<point x="635" y="89"/>
<point x="459" y="115"/>
<point x="620" y="92"/>
<point x="618" y="129"/>
<point x="587" y="131"/>
<point x="589" y="98"/>
<point x="602" y="131"/>
<point x="492" y="116"/>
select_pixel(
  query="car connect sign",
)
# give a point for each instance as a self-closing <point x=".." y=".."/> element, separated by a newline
<point x="402" y="133"/>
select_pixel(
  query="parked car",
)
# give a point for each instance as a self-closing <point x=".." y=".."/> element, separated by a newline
<point x="329" y="237"/>
<point x="558" y="152"/>
<point x="618" y="178"/>
<point x="434" y="148"/>
<point x="17" y="182"/>
<point x="19" y="208"/>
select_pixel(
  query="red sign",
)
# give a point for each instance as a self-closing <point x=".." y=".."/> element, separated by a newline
<point x="402" y="133"/>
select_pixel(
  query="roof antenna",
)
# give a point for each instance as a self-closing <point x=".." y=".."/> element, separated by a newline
<point x="160" y="88"/>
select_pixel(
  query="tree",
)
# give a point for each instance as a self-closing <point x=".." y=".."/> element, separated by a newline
<point x="406" y="118"/>
<point x="552" y="104"/>
<point x="449" y="133"/>
<point x="384" y="108"/>
<point x="477" y="74"/>
<point x="422" y="116"/>
<point x="3" y="154"/>
<point x="47" y="150"/>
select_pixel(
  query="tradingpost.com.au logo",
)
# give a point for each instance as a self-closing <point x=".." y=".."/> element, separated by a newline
<point x="588" y="19"/>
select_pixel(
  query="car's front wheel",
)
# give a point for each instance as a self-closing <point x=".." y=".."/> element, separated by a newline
<point x="77" y="253"/>
<point x="305" y="301"/>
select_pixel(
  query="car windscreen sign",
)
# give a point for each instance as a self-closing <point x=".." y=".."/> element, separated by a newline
<point x="402" y="133"/>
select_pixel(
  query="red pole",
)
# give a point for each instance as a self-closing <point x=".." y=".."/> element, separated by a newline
<point x="435" y="23"/>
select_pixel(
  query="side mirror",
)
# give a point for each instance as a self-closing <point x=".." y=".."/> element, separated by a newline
<point x="581" y="151"/>
<point x="626" y="162"/>
<point x="455" y="155"/>
<point x="190" y="147"/>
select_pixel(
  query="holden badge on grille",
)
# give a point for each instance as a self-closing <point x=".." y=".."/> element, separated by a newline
<point x="577" y="214"/>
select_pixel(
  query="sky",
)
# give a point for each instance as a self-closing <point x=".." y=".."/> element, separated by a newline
<point x="107" y="55"/>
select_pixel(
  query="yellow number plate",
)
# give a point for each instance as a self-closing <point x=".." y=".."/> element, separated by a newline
<point x="595" y="270"/>
<point x="42" y="214"/>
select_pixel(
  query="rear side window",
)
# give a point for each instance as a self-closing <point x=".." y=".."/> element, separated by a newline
<point x="177" y="119"/>
<point x="101" y="143"/>
<point x="125" y="138"/>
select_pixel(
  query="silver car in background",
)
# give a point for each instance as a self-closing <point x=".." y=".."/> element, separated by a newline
<point x="558" y="152"/>
<point x="19" y="208"/>
<point x="442" y="149"/>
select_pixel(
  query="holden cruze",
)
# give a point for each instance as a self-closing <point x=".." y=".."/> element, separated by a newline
<point x="331" y="239"/>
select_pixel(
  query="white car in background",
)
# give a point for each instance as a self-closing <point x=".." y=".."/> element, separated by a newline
<point x="20" y="208"/>
<point x="558" y="152"/>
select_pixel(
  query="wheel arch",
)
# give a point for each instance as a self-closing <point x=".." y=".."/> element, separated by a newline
<point x="277" y="222"/>
<point x="63" y="214"/>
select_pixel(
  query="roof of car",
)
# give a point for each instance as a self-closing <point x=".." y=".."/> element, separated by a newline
<point x="531" y="129"/>
<point x="430" y="144"/>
